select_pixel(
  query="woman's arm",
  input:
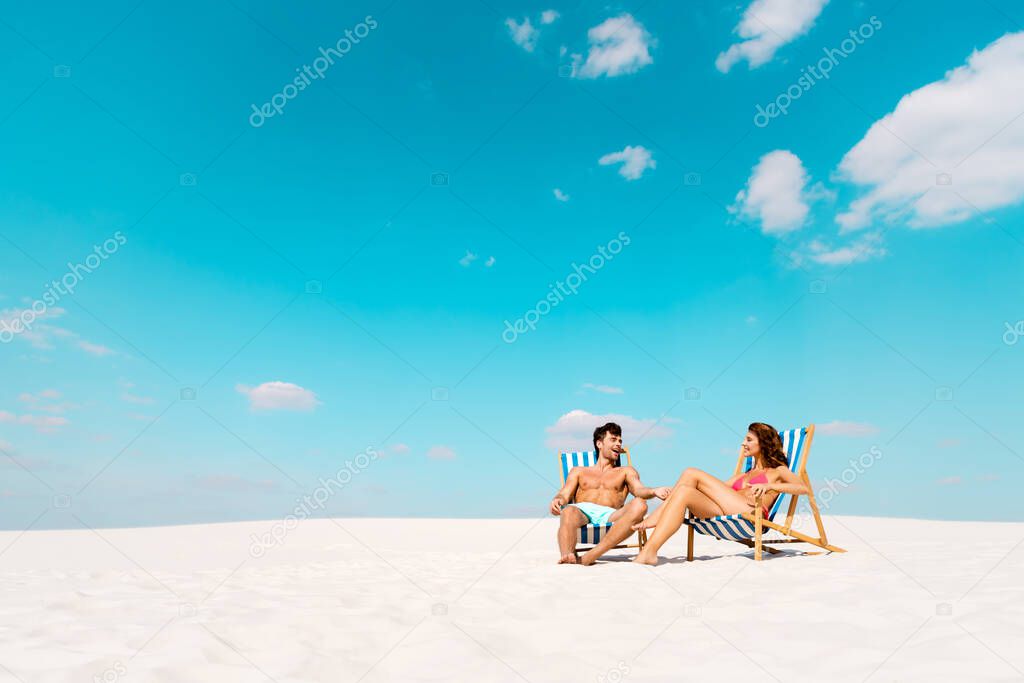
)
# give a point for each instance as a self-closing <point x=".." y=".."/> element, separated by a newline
<point x="783" y="480"/>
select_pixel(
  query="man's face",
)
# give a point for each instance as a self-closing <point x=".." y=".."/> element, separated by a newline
<point x="611" y="443"/>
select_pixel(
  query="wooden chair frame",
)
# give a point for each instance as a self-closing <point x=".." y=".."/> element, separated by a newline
<point x="641" y="535"/>
<point x="762" y="526"/>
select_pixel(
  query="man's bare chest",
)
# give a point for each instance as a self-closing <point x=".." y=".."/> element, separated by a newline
<point x="612" y="480"/>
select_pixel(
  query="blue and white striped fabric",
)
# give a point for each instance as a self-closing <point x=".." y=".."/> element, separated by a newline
<point x="729" y="527"/>
<point x="576" y="459"/>
<point x="590" y="534"/>
<point x="734" y="527"/>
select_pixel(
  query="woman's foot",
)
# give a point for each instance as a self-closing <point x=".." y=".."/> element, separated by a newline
<point x="645" y="558"/>
<point x="646" y="523"/>
<point x="568" y="559"/>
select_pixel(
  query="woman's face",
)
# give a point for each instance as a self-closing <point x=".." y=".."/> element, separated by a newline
<point x="751" y="446"/>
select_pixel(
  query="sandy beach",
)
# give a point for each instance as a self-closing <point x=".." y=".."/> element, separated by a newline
<point x="483" y="600"/>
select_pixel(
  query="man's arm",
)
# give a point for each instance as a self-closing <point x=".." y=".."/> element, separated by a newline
<point x="566" y="493"/>
<point x="641" y="491"/>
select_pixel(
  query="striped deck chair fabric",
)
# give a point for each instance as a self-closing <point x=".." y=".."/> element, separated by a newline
<point x="590" y="534"/>
<point x="738" y="528"/>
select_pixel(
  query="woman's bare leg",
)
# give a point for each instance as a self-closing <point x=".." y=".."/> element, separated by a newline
<point x="683" y="498"/>
<point x="701" y="493"/>
<point x="651" y="520"/>
<point x="710" y="486"/>
<point x="731" y="501"/>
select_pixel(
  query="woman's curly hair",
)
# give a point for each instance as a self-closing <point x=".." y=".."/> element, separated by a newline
<point x="772" y="453"/>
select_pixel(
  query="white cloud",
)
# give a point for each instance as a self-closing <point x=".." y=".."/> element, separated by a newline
<point x="23" y="323"/>
<point x="864" y="249"/>
<point x="602" y="388"/>
<point x="44" y="424"/>
<point x="129" y="397"/>
<point x="619" y="45"/>
<point x="441" y="453"/>
<point x="561" y="196"/>
<point x="489" y="262"/>
<point x="766" y="26"/>
<point x="279" y="396"/>
<point x="966" y="125"/>
<point x="399" y="448"/>
<point x="57" y="408"/>
<point x="634" y="160"/>
<point x="751" y="319"/>
<point x="574" y="431"/>
<point x="949" y="481"/>
<point x="777" y="193"/>
<point x="523" y="34"/>
<point x="94" y="349"/>
<point x="549" y="16"/>
<point x="34" y="399"/>
<point x="467" y="259"/>
<point x="841" y="428"/>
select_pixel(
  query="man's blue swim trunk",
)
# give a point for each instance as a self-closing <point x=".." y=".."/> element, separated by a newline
<point x="596" y="514"/>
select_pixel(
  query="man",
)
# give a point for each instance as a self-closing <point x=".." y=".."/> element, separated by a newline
<point x="598" y="493"/>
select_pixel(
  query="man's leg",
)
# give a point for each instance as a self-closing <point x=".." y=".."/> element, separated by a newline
<point x="571" y="521"/>
<point x="624" y="519"/>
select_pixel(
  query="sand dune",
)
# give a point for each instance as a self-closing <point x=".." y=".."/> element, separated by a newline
<point x="483" y="600"/>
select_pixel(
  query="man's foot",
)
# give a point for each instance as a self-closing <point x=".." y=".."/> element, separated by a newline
<point x="644" y="558"/>
<point x="588" y="558"/>
<point x="568" y="559"/>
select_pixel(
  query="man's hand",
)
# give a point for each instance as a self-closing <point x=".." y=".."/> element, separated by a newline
<point x="556" y="505"/>
<point x="662" y="492"/>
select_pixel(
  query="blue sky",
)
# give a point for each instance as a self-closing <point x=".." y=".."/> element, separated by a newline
<point x="339" y="277"/>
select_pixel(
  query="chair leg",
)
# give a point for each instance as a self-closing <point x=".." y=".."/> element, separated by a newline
<point x="689" y="543"/>
<point x="757" y="531"/>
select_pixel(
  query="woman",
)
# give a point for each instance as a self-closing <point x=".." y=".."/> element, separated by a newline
<point x="707" y="496"/>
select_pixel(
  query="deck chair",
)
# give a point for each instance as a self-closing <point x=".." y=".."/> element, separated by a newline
<point x="750" y="528"/>
<point x="591" y="534"/>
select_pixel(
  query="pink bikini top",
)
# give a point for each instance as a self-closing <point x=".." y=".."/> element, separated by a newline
<point x="761" y="478"/>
